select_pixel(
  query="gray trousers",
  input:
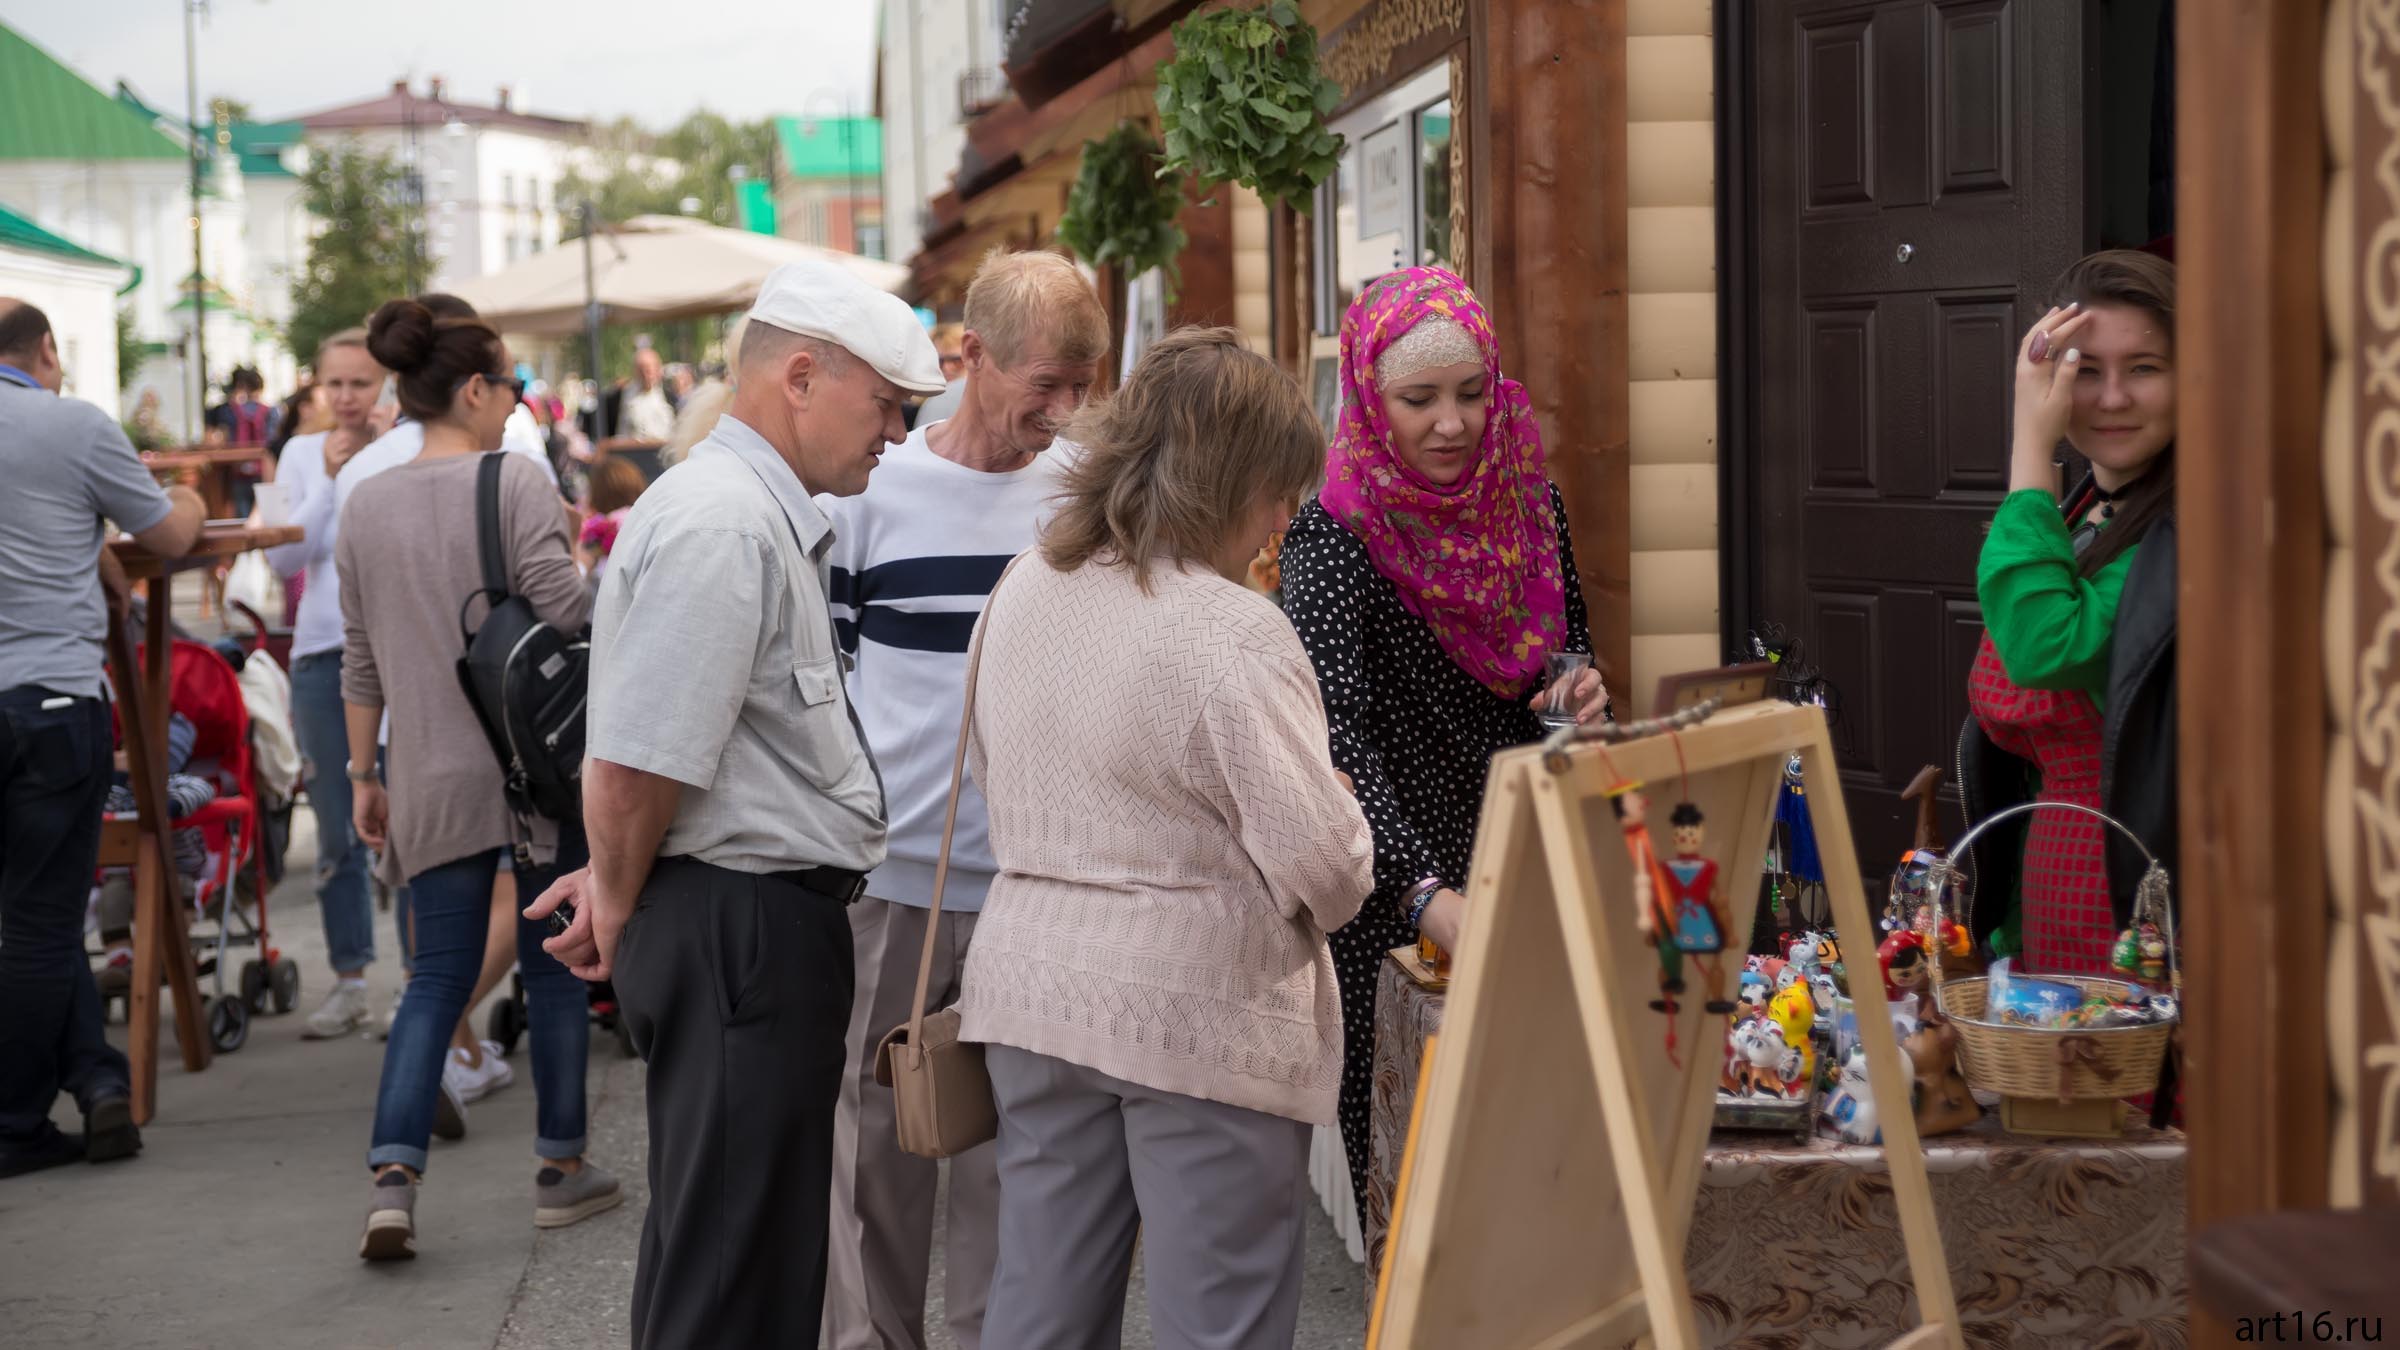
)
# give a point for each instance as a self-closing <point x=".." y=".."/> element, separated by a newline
<point x="883" y="1199"/>
<point x="1218" y="1193"/>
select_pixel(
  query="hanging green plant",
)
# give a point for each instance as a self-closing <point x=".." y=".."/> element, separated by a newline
<point x="1242" y="101"/>
<point x="1121" y="210"/>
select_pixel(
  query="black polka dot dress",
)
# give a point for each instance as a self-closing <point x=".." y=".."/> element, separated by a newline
<point x="1417" y="734"/>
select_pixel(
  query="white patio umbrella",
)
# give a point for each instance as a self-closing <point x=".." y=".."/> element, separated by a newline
<point x="649" y="269"/>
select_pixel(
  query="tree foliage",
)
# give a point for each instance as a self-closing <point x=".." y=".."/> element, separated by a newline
<point x="1120" y="210"/>
<point x="365" y="255"/>
<point x="640" y="173"/>
<point x="131" y="350"/>
<point x="1242" y="102"/>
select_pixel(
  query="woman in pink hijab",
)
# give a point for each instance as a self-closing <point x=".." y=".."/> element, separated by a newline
<point x="1430" y="581"/>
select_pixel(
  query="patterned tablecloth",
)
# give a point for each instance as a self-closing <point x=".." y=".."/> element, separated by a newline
<point x="2065" y="1243"/>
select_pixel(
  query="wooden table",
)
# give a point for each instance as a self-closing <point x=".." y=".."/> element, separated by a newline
<point x="206" y="468"/>
<point x="2068" y="1243"/>
<point x="161" y="942"/>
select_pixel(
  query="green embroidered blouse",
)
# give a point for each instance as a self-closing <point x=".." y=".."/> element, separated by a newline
<point x="2051" y="625"/>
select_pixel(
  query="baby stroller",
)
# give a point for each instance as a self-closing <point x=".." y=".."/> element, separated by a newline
<point x="232" y="889"/>
<point x="505" y="1024"/>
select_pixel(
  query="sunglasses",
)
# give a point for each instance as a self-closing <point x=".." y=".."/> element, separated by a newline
<point x="515" y="387"/>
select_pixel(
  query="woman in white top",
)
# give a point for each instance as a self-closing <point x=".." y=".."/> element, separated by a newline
<point x="310" y="464"/>
<point x="1150" y="974"/>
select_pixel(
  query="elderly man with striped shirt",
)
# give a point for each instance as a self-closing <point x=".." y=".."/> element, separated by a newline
<point x="914" y="558"/>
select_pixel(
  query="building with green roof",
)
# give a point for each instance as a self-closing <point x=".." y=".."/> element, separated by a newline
<point x="828" y="186"/>
<point x="21" y="234"/>
<point x="106" y="173"/>
<point x="77" y="289"/>
<point x="47" y="112"/>
<point x="830" y="147"/>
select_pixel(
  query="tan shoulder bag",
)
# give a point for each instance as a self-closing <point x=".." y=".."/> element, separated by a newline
<point x="942" y="1095"/>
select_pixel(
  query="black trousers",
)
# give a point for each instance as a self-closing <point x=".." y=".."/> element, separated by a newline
<point x="53" y="786"/>
<point x="737" y="991"/>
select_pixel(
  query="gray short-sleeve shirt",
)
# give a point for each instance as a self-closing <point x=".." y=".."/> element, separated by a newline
<point x="714" y="664"/>
<point x="65" y="466"/>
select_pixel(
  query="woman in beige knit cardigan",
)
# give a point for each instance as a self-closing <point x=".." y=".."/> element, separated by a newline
<point x="1151" y="972"/>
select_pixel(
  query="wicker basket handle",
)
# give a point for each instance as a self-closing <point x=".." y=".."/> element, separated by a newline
<point x="2151" y="891"/>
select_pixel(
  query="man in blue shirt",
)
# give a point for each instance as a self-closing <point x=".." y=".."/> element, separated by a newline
<point x="66" y="466"/>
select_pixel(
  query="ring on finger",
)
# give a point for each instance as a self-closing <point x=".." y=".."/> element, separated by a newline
<point x="2040" y="351"/>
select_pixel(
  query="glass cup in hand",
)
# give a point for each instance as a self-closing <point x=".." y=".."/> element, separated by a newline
<point x="1561" y="671"/>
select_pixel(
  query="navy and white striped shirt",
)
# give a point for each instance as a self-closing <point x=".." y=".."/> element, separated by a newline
<point x="914" y="557"/>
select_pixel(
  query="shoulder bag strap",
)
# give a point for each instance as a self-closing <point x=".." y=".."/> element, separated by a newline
<point x="941" y="870"/>
<point x="487" y="525"/>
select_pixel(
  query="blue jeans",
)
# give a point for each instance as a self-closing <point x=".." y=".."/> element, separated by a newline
<point x="342" y="861"/>
<point x="53" y="783"/>
<point x="453" y="905"/>
<point x="342" y="897"/>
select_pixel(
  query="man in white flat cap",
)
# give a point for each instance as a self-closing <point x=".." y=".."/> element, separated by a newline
<point x="734" y="811"/>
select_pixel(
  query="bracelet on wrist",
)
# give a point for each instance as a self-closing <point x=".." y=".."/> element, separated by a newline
<point x="1419" y="898"/>
<point x="356" y="775"/>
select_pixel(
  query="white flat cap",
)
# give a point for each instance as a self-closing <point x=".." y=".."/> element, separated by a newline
<point x="823" y="300"/>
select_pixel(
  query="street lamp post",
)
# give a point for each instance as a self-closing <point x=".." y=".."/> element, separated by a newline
<point x="591" y="295"/>
<point x="849" y="154"/>
<point x="412" y="187"/>
<point x="192" y="10"/>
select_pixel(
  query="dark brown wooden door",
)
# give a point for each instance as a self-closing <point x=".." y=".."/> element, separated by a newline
<point x="1919" y="182"/>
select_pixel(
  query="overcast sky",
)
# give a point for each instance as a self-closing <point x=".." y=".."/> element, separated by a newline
<point x="652" y="60"/>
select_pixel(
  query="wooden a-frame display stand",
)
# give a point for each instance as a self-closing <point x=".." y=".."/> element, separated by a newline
<point x="1552" y="1170"/>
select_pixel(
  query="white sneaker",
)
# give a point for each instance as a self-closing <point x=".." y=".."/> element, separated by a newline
<point x="496" y="1073"/>
<point x="473" y="1083"/>
<point x="449" y="1113"/>
<point x="383" y="1024"/>
<point x="345" y="1010"/>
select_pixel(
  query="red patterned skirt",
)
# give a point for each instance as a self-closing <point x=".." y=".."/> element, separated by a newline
<point x="2069" y="923"/>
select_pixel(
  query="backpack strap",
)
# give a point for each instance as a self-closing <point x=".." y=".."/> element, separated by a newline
<point x="487" y="525"/>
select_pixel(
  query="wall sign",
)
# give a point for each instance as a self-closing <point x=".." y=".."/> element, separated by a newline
<point x="1384" y="167"/>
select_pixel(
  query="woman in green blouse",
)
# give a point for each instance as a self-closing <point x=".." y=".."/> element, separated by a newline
<point x="2073" y="691"/>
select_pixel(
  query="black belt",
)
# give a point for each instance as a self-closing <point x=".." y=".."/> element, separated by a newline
<point x="834" y="883"/>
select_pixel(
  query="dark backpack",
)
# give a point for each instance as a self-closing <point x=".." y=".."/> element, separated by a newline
<point x="524" y="679"/>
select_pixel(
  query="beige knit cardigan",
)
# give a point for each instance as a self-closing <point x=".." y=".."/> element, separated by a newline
<point x="1173" y="843"/>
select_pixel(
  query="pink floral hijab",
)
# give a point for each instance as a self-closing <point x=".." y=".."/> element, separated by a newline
<point x="1477" y="561"/>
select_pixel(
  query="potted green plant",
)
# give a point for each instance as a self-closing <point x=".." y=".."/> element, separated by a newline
<point x="1242" y="101"/>
<point x="1121" y="211"/>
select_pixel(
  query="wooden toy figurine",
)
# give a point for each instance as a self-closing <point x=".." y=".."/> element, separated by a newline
<point x="2140" y="955"/>
<point x="1827" y="994"/>
<point x="1905" y="970"/>
<point x="1794" y="1011"/>
<point x="1829" y="949"/>
<point x="1956" y="946"/>
<point x="1689" y="884"/>
<point x="2125" y="957"/>
<point x="1674" y="901"/>
<point x="1943" y="1102"/>
<point x="2154" y="957"/>
<point x="1755" y="991"/>
<point x="1754" y="1054"/>
<point x="1851" y="1106"/>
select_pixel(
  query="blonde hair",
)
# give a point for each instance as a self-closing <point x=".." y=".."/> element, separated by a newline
<point x="348" y="337"/>
<point x="1018" y="297"/>
<point x="1201" y="432"/>
<point x="706" y="403"/>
